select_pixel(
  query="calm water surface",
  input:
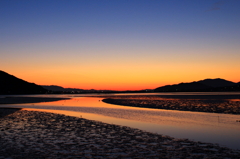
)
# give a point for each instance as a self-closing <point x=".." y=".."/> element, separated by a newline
<point x="207" y="127"/>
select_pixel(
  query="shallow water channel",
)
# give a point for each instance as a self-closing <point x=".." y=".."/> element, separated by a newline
<point x="206" y="127"/>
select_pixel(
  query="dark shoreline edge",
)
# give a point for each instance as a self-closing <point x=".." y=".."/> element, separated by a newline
<point x="173" y="96"/>
<point x="210" y="104"/>
<point x="6" y="111"/>
<point x="24" y="100"/>
<point x="25" y="134"/>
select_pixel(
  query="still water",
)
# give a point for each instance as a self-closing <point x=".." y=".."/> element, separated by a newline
<point x="206" y="127"/>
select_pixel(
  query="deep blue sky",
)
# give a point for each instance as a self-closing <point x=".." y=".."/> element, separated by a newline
<point x="159" y="42"/>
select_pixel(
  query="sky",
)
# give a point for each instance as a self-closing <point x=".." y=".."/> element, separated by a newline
<point x="120" y="44"/>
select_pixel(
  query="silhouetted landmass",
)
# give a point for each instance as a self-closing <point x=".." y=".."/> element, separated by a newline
<point x="10" y="84"/>
<point x="60" y="90"/>
<point x="217" y="82"/>
<point x="53" y="88"/>
<point x="201" y="86"/>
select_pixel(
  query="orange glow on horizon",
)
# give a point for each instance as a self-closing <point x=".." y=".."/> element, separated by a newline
<point x="136" y="82"/>
<point x="137" y="75"/>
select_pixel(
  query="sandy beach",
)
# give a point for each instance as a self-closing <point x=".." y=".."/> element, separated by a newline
<point x="33" y="134"/>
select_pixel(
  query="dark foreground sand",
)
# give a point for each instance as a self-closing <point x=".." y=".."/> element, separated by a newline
<point x="32" y="134"/>
<point x="212" y="104"/>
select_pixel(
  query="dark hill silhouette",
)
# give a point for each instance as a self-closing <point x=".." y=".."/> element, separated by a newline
<point x="56" y="88"/>
<point x="53" y="88"/>
<point x="182" y="87"/>
<point x="236" y="87"/>
<point x="10" y="84"/>
<point x="200" y="86"/>
<point x="218" y="82"/>
<point x="59" y="89"/>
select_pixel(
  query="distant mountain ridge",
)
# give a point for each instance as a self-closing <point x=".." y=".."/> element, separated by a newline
<point x="217" y="84"/>
<point x="10" y="84"/>
<point x="59" y="89"/>
<point x="53" y="88"/>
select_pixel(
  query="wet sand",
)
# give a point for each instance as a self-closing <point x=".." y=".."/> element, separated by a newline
<point x="32" y="134"/>
<point x="212" y="104"/>
<point x="23" y="100"/>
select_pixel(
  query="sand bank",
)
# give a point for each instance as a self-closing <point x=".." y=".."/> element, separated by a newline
<point x="32" y="134"/>
<point x="213" y="104"/>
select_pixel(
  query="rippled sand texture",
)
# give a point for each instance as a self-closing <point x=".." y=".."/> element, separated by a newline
<point x="198" y="105"/>
<point x="30" y="134"/>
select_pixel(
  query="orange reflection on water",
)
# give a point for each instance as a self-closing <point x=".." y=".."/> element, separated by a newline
<point x="234" y="99"/>
<point x="88" y="102"/>
<point x="93" y="108"/>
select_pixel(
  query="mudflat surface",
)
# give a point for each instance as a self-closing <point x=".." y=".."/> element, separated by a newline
<point x="22" y="100"/>
<point x="213" y="104"/>
<point x="32" y="134"/>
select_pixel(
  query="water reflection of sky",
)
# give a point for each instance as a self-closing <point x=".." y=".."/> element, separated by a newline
<point x="207" y="127"/>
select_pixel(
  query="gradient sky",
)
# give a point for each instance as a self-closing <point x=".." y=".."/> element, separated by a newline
<point x="120" y="44"/>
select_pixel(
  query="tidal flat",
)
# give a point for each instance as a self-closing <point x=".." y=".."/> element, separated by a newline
<point x="34" y="134"/>
<point x="210" y="104"/>
<point x="24" y="100"/>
